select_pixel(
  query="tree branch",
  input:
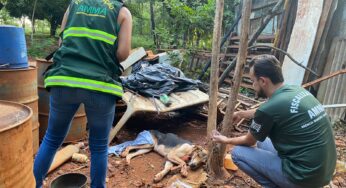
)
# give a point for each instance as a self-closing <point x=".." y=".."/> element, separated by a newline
<point x="288" y="55"/>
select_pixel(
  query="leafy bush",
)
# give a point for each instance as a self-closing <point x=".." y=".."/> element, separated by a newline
<point x="41" y="46"/>
<point x="143" y="41"/>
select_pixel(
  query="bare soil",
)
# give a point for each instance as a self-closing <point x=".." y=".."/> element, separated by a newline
<point x="141" y="171"/>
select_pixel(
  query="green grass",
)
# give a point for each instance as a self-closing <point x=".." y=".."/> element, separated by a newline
<point x="41" y="46"/>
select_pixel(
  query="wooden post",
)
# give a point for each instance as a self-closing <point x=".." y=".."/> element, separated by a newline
<point x="213" y="167"/>
<point x="217" y="152"/>
<point x="227" y="125"/>
<point x="214" y="74"/>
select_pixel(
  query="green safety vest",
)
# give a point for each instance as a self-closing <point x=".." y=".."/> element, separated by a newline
<point x="87" y="56"/>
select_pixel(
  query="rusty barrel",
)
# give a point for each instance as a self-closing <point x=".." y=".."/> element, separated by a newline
<point x="16" y="166"/>
<point x="20" y="85"/>
<point x="78" y="125"/>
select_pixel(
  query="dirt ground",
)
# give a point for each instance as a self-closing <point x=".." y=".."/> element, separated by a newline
<point x="141" y="171"/>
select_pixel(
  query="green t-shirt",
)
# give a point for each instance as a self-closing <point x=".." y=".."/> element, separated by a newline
<point x="301" y="133"/>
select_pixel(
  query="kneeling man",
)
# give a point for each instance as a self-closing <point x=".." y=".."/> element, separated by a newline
<point x="290" y="142"/>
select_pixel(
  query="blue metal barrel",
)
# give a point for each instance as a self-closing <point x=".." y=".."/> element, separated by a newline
<point x="13" y="52"/>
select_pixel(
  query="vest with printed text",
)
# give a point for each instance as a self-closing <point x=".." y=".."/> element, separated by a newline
<point x="87" y="56"/>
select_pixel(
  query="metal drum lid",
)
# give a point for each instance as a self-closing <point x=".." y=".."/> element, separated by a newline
<point x="13" y="114"/>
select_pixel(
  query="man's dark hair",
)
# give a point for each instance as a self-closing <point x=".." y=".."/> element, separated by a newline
<point x="267" y="66"/>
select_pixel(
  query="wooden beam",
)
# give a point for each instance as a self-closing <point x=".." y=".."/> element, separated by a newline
<point x="241" y="58"/>
<point x="136" y="55"/>
<point x="213" y="91"/>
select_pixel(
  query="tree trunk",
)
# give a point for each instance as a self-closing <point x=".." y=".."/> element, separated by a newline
<point x="198" y="39"/>
<point x="23" y="23"/>
<point x="53" y="26"/>
<point x="215" y="165"/>
<point x="33" y="26"/>
<point x="152" y="21"/>
<point x="185" y="35"/>
<point x="33" y="22"/>
<point x="140" y="26"/>
<point x="216" y="159"/>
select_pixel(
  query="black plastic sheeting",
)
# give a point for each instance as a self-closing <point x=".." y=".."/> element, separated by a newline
<point x="159" y="79"/>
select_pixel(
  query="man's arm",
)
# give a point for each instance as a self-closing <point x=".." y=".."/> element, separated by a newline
<point x="125" y="33"/>
<point x="245" y="140"/>
<point x="247" y="114"/>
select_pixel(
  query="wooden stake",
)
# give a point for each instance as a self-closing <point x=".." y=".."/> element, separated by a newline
<point x="232" y="100"/>
<point x="214" y="74"/>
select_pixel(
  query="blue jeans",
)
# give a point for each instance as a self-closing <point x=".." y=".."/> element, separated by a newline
<point x="64" y="102"/>
<point x="263" y="164"/>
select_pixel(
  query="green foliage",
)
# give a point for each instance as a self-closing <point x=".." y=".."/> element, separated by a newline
<point x="246" y="92"/>
<point x="136" y="9"/>
<point x="186" y="24"/>
<point x="53" y="11"/>
<point x="176" y="58"/>
<point x="142" y="41"/>
<point x="182" y="61"/>
<point x="166" y="37"/>
<point x="42" y="46"/>
<point x="5" y="18"/>
<point x="19" y="8"/>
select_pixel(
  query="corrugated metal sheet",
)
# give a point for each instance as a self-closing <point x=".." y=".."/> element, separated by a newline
<point x="342" y="30"/>
<point x="333" y="91"/>
<point x="302" y="40"/>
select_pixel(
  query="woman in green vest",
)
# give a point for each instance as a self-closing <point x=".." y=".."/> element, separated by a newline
<point x="96" y="37"/>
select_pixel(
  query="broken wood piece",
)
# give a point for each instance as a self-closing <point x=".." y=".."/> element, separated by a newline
<point x="257" y="105"/>
<point x="240" y="122"/>
<point x="63" y="155"/>
<point x="236" y="127"/>
<point x="343" y="71"/>
<point x="220" y="101"/>
<point x="237" y="105"/>
<point x="245" y="103"/>
<point x="136" y="55"/>
<point x="139" y="103"/>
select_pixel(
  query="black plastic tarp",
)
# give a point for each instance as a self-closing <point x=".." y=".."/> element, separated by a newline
<point x="157" y="80"/>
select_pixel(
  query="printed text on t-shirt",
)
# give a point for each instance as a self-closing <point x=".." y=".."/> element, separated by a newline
<point x="296" y="101"/>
